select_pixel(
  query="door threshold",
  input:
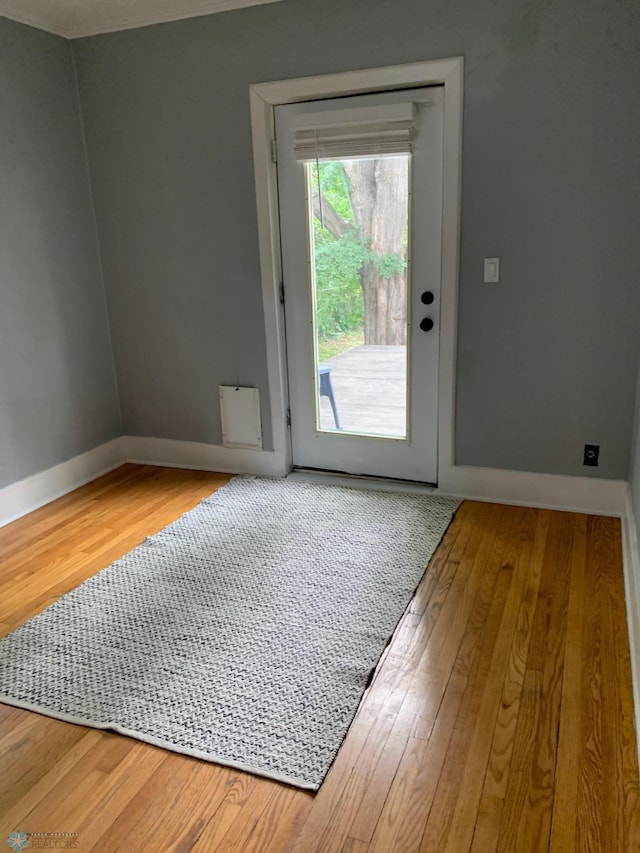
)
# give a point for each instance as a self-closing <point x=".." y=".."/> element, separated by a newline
<point x="361" y="481"/>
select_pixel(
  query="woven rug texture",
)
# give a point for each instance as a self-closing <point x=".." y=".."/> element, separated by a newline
<point x="244" y="633"/>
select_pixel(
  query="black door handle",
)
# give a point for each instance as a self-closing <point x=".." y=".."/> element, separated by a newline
<point x="426" y="324"/>
<point x="427" y="297"/>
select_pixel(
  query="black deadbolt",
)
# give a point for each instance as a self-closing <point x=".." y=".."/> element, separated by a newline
<point x="426" y="324"/>
<point x="427" y="297"/>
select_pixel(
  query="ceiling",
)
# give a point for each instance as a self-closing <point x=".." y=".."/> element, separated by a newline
<point x="76" y="18"/>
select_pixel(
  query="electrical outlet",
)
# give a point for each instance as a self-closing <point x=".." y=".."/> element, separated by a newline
<point x="591" y="454"/>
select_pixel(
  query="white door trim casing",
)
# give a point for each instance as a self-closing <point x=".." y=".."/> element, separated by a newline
<point x="263" y="98"/>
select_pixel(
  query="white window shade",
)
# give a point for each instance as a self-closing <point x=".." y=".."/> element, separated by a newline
<point x="364" y="132"/>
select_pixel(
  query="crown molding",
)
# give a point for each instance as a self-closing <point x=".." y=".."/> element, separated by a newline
<point x="104" y="17"/>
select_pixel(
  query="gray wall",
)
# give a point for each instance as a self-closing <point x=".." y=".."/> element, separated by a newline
<point x="57" y="388"/>
<point x="547" y="359"/>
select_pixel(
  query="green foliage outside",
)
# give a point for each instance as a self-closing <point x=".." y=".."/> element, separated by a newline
<point x="328" y="347"/>
<point x="338" y="261"/>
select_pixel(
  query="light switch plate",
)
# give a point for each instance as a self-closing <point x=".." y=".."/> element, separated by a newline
<point x="491" y="270"/>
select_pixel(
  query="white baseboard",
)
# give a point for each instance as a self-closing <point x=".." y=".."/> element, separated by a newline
<point x="547" y="491"/>
<point x="204" y="457"/>
<point x="23" y="497"/>
<point x="26" y="495"/>
<point x="631" y="567"/>
<point x="550" y="491"/>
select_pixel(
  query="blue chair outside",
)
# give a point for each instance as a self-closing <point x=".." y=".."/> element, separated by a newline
<point x="326" y="390"/>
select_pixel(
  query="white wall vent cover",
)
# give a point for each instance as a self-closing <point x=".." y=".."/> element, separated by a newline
<point x="240" y="415"/>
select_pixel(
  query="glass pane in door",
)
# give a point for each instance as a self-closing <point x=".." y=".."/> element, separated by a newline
<point x="358" y="223"/>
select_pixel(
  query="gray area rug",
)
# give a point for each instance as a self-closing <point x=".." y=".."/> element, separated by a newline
<point x="242" y="634"/>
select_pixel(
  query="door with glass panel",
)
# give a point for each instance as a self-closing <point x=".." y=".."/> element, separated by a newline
<point x="360" y="197"/>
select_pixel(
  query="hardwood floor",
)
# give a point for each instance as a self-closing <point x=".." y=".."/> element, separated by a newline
<point x="500" y="718"/>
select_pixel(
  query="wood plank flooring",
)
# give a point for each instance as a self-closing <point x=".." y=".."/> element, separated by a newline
<point x="500" y="718"/>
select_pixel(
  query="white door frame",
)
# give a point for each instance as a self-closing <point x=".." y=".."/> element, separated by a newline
<point x="263" y="98"/>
